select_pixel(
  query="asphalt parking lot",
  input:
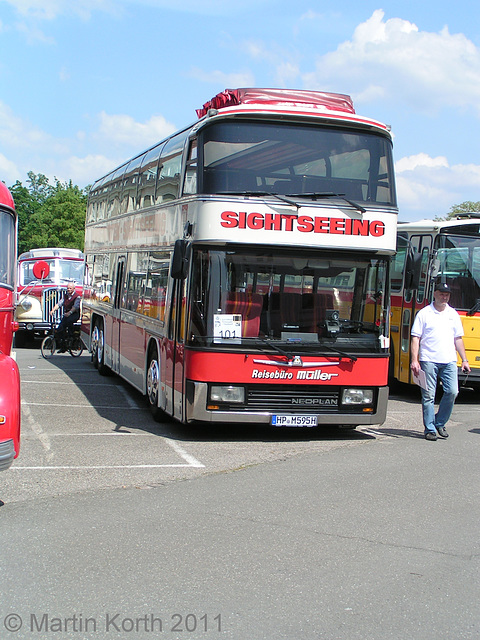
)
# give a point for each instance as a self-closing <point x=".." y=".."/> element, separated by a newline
<point x="82" y="432"/>
<point x="242" y="532"/>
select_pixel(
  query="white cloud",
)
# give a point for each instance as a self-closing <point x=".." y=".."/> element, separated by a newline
<point x="52" y="9"/>
<point x="122" y="129"/>
<point x="410" y="163"/>
<point x="426" y="70"/>
<point x="113" y="139"/>
<point x="88" y="169"/>
<point x="9" y="171"/>
<point x="20" y="136"/>
<point x="429" y="187"/>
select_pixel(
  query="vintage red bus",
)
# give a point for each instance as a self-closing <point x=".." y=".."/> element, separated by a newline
<point x="40" y="290"/>
<point x="9" y="376"/>
<point x="238" y="271"/>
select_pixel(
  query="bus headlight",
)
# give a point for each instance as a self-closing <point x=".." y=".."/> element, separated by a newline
<point x="26" y="304"/>
<point x="357" y="396"/>
<point x="227" y="393"/>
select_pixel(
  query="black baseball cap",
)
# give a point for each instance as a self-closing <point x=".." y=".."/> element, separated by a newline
<point x="443" y="286"/>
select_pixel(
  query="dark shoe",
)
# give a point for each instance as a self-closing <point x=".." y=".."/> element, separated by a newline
<point x="62" y="350"/>
<point x="430" y="436"/>
<point x="442" y="432"/>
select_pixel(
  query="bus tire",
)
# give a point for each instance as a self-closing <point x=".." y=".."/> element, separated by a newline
<point x="153" y="386"/>
<point x="98" y="351"/>
<point x="94" y="343"/>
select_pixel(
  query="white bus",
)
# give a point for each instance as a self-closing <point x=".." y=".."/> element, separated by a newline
<point x="238" y="271"/>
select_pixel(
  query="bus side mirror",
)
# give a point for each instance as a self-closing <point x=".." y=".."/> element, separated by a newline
<point x="412" y="270"/>
<point x="435" y="268"/>
<point x="179" y="260"/>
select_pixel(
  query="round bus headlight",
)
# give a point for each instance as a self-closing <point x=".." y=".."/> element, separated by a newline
<point x="227" y="393"/>
<point x="357" y="396"/>
<point x="26" y="304"/>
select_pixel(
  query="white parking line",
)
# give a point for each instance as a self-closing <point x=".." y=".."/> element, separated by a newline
<point x="79" y="406"/>
<point x="89" y="468"/>
<point x="71" y="383"/>
<point x="39" y="432"/>
<point x="192" y="462"/>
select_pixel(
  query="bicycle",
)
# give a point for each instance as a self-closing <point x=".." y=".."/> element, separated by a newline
<point x="72" y="343"/>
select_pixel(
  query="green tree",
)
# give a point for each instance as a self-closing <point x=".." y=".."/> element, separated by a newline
<point x="60" y="221"/>
<point x="39" y="186"/>
<point x="465" y="207"/>
<point x="26" y="205"/>
<point x="49" y="215"/>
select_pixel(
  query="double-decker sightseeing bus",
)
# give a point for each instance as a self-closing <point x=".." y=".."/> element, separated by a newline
<point x="238" y="271"/>
<point x="42" y="279"/>
<point x="431" y="251"/>
<point x="9" y="376"/>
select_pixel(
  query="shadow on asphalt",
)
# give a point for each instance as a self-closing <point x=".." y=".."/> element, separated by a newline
<point x="81" y="371"/>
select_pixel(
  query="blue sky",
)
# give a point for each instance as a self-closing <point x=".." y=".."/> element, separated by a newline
<point x="86" y="84"/>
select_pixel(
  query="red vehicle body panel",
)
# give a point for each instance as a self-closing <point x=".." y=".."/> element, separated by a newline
<point x="217" y="367"/>
<point x="9" y="376"/>
<point x="10" y="401"/>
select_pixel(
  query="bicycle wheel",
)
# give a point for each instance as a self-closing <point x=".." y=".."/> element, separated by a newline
<point x="48" y="347"/>
<point x="76" y="347"/>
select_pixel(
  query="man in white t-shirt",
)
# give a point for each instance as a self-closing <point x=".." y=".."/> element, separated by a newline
<point x="436" y="337"/>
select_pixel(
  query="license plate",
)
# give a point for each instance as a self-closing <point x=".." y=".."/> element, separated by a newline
<point x="294" y="421"/>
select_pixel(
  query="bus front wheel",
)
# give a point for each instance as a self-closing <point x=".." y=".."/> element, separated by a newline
<point x="98" y="349"/>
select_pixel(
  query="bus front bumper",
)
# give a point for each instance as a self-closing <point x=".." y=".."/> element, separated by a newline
<point x="197" y="400"/>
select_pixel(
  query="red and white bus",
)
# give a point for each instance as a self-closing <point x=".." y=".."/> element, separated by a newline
<point x="9" y="376"/>
<point x="41" y="287"/>
<point x="238" y="271"/>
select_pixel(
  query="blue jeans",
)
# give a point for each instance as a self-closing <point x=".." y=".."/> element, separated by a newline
<point x="447" y="373"/>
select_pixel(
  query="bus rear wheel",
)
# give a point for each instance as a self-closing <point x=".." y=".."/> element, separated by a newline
<point x="153" y="386"/>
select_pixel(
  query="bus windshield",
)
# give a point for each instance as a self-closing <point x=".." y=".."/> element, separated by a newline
<point x="60" y="271"/>
<point x="459" y="266"/>
<point x="269" y="295"/>
<point x="7" y="249"/>
<point x="293" y="159"/>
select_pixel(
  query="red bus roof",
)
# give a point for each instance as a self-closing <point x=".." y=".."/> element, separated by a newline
<point x="279" y="97"/>
<point x="6" y="199"/>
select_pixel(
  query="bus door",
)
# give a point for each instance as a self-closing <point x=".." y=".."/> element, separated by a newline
<point x="172" y="361"/>
<point x="413" y="301"/>
<point x="116" y="313"/>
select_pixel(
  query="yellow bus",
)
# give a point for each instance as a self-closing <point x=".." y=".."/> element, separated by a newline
<point x="430" y="251"/>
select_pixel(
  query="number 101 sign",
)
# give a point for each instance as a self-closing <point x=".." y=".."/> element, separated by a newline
<point x="227" y="327"/>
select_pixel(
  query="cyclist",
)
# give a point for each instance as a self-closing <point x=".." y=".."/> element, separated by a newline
<point x="71" y="313"/>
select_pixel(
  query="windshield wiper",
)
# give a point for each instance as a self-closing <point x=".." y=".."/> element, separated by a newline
<point x="328" y="194"/>
<point x="340" y="353"/>
<point x="261" y="194"/>
<point x="318" y="346"/>
<point x="287" y="354"/>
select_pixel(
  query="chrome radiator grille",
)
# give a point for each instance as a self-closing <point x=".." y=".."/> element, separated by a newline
<point x="50" y="299"/>
<point x="293" y="399"/>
